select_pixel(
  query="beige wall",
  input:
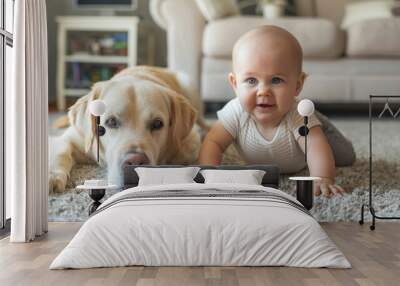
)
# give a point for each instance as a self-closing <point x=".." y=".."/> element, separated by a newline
<point x="65" y="7"/>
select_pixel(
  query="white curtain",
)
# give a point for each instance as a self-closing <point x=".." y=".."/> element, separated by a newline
<point x="26" y="123"/>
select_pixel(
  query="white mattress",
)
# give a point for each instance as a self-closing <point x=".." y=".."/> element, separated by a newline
<point x="189" y="230"/>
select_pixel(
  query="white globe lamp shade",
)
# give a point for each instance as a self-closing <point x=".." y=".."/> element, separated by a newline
<point x="305" y="107"/>
<point x="97" y="107"/>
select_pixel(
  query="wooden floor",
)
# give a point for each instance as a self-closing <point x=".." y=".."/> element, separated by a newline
<point x="374" y="255"/>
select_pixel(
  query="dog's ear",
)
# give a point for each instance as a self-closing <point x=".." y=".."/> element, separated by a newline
<point x="81" y="118"/>
<point x="183" y="116"/>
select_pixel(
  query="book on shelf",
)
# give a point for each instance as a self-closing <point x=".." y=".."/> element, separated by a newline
<point x="84" y="75"/>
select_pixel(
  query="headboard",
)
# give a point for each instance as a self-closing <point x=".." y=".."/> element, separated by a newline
<point x="270" y="179"/>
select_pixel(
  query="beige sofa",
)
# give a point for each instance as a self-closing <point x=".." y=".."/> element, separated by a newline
<point x="343" y="66"/>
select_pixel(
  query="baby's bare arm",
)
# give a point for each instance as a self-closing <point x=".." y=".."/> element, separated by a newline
<point x="320" y="161"/>
<point x="214" y="145"/>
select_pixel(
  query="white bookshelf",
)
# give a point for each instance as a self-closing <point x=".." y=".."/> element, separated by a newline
<point x="97" y="59"/>
<point x="88" y="24"/>
<point x="76" y="91"/>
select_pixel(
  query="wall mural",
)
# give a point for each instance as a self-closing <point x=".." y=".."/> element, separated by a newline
<point x="92" y="50"/>
<point x="118" y="108"/>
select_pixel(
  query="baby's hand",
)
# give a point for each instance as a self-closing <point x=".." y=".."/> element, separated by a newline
<point x="327" y="187"/>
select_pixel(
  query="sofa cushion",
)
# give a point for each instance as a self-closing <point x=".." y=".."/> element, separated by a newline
<point x="360" y="11"/>
<point x="352" y="66"/>
<point x="319" y="38"/>
<point x="375" y="37"/>
<point x="329" y="80"/>
<point x="213" y="10"/>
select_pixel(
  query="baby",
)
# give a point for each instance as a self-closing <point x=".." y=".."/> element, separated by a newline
<point x="263" y="122"/>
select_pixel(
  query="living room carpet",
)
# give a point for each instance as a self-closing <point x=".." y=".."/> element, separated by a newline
<point x="72" y="205"/>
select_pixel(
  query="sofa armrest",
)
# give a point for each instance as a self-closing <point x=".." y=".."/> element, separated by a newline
<point x="184" y="24"/>
<point x="156" y="13"/>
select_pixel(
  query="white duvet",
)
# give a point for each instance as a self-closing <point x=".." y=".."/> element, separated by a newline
<point x="206" y="230"/>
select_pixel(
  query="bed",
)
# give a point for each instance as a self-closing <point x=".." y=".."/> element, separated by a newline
<point x="201" y="224"/>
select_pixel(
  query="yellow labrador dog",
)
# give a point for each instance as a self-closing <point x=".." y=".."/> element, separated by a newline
<point x="149" y="119"/>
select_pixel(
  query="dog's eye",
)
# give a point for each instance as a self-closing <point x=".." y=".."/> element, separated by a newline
<point x="156" y="124"/>
<point x="112" y="122"/>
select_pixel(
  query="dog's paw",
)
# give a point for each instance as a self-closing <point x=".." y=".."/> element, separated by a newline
<point x="57" y="181"/>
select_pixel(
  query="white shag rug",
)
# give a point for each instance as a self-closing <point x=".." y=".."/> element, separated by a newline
<point x="72" y="205"/>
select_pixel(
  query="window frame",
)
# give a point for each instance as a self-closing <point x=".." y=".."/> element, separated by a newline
<point x="6" y="39"/>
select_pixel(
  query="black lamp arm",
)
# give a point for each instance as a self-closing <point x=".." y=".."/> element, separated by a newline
<point x="100" y="131"/>
<point x="303" y="131"/>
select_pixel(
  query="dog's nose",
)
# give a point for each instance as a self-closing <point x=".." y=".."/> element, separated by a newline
<point x="136" y="159"/>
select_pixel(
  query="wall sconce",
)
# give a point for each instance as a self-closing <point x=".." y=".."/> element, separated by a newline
<point x="97" y="108"/>
<point x="304" y="189"/>
<point x="305" y="109"/>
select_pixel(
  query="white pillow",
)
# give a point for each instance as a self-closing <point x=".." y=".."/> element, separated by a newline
<point x="361" y="11"/>
<point x="215" y="9"/>
<point x="163" y="176"/>
<point x="249" y="177"/>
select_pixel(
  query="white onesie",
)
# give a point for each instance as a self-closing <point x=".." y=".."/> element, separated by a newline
<point x="283" y="150"/>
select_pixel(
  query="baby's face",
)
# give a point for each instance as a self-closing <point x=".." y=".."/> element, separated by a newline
<point x="266" y="81"/>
